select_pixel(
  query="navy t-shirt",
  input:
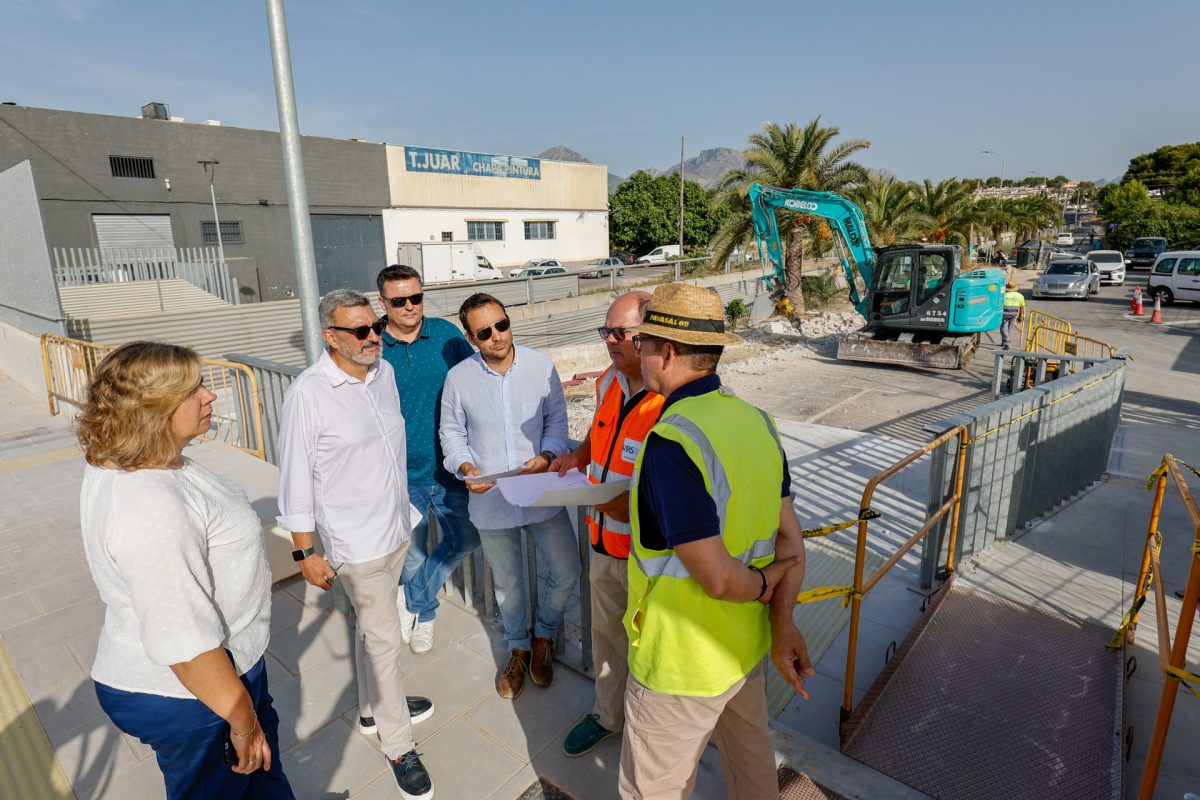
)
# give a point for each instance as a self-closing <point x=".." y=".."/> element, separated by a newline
<point x="674" y="508"/>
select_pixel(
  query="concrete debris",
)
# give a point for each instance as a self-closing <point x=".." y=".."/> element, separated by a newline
<point x="820" y="325"/>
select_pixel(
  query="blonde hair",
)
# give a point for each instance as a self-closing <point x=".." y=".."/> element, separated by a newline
<point x="127" y="410"/>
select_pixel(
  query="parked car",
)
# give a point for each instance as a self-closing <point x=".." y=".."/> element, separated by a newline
<point x="1144" y="250"/>
<point x="1175" y="276"/>
<point x="602" y="267"/>
<point x="1077" y="278"/>
<point x="1111" y="265"/>
<point x="1065" y="239"/>
<point x="540" y="264"/>
<point x="626" y="258"/>
<point x="659" y="254"/>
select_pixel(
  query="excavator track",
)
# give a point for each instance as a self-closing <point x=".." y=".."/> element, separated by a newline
<point x="949" y="352"/>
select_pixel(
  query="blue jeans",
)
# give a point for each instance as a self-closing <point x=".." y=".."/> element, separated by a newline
<point x="187" y="738"/>
<point x="1006" y="322"/>
<point x="557" y="552"/>
<point x="425" y="572"/>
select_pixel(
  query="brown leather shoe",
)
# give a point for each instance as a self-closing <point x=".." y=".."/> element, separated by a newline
<point x="511" y="679"/>
<point x="541" y="668"/>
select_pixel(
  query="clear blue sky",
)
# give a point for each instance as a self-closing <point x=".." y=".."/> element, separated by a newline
<point x="1057" y="86"/>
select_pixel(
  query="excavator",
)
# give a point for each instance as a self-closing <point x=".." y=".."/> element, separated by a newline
<point x="921" y="308"/>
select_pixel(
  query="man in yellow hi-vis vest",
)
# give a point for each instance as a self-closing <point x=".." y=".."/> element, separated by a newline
<point x="716" y="562"/>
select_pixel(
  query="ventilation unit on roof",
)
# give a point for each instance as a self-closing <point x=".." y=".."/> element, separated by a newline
<point x="156" y="111"/>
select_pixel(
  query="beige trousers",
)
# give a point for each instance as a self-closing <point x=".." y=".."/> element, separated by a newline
<point x="665" y="735"/>
<point x="610" y="645"/>
<point x="371" y="587"/>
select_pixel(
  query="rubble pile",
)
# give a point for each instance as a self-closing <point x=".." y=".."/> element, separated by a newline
<point x="820" y="325"/>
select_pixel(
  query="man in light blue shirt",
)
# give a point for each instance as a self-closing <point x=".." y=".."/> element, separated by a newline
<point x="502" y="409"/>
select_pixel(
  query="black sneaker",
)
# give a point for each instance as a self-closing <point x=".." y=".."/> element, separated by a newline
<point x="411" y="777"/>
<point x="366" y="726"/>
<point x="419" y="709"/>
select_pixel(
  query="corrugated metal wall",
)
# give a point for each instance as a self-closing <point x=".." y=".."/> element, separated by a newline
<point x="99" y="300"/>
<point x="563" y="186"/>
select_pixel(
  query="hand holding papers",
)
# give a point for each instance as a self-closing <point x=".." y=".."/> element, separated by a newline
<point x="548" y="489"/>
<point x="494" y="476"/>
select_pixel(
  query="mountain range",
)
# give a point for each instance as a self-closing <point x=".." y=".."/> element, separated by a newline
<point x="707" y="168"/>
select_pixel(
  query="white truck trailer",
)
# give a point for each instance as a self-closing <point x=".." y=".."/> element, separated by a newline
<point x="446" y="262"/>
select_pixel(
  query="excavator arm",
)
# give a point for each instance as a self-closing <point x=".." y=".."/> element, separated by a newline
<point x="838" y="212"/>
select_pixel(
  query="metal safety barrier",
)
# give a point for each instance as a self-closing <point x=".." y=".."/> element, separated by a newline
<point x="1027" y="453"/>
<point x="203" y="267"/>
<point x="237" y="414"/>
<point x="272" y="378"/>
<point x="1172" y="656"/>
<point x="1041" y="321"/>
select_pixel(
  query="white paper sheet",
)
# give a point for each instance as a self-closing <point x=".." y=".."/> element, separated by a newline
<point x="494" y="476"/>
<point x="547" y="489"/>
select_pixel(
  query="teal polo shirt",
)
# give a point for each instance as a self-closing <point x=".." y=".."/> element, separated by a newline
<point x="421" y="368"/>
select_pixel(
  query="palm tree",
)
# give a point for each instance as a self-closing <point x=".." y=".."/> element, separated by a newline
<point x="996" y="216"/>
<point x="949" y="208"/>
<point x="889" y="209"/>
<point x="790" y="157"/>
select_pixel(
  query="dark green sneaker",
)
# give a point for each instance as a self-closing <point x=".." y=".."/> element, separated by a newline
<point x="585" y="736"/>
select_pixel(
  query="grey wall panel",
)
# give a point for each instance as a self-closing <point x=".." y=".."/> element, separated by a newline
<point x="28" y="297"/>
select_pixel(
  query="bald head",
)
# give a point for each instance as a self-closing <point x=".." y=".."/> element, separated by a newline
<point x="627" y="310"/>
<point x="625" y="313"/>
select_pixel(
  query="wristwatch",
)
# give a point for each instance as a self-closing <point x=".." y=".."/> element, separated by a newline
<point x="300" y="555"/>
<point x="548" y="455"/>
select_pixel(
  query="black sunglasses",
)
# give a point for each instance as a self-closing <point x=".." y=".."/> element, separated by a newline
<point x="641" y="339"/>
<point x="616" y="333"/>
<point x="362" y="331"/>
<point x="483" y="334"/>
<point x="400" y="302"/>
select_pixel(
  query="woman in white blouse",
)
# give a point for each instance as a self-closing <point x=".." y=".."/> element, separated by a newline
<point x="176" y="552"/>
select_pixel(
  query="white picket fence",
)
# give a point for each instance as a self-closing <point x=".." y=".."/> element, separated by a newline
<point x="199" y="266"/>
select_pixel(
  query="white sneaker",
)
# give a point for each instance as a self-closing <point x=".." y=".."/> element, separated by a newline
<point x="407" y="620"/>
<point x="422" y="637"/>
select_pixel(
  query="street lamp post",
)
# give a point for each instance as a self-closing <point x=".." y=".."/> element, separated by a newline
<point x="1003" y="164"/>
<point x="212" y="192"/>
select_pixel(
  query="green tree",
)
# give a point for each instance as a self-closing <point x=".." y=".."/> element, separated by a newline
<point x="1165" y="168"/>
<point x="889" y="209"/>
<point x="789" y="157"/>
<point x="948" y="207"/>
<point x="644" y="213"/>
<point x="1123" y="202"/>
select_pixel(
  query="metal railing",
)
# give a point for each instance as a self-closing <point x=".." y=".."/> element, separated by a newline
<point x="272" y="378"/>
<point x="1016" y="370"/>
<point x="1040" y="320"/>
<point x="202" y="267"/>
<point x="1027" y="453"/>
<point x="237" y="413"/>
<point x="951" y="505"/>
<point x="1172" y="656"/>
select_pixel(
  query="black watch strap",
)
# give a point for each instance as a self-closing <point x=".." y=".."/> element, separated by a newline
<point x="548" y="455"/>
<point x="300" y="555"/>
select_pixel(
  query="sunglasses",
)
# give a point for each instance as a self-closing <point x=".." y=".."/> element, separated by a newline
<point x="641" y="339"/>
<point x="483" y="334"/>
<point x="362" y="331"/>
<point x="401" y="302"/>
<point x="617" y="333"/>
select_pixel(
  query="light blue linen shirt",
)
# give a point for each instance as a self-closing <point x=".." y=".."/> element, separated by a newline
<point x="498" y="422"/>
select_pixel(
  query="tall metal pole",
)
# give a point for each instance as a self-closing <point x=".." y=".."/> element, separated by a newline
<point x="297" y="188"/>
<point x="680" y="256"/>
<point x="1003" y="164"/>
<point x="212" y="192"/>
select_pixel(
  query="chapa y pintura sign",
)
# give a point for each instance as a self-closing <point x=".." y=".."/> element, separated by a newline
<point x="457" y="162"/>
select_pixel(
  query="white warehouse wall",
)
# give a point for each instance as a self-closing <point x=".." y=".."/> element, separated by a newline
<point x="579" y="235"/>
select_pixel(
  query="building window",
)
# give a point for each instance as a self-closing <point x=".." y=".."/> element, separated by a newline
<point x="231" y="233"/>
<point x="539" y="230"/>
<point x="485" y="231"/>
<point x="131" y="167"/>
<point x="447" y="236"/>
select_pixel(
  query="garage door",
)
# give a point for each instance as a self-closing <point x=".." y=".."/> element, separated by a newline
<point x="133" y="230"/>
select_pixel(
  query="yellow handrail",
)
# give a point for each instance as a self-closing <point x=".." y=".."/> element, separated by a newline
<point x="237" y="413"/>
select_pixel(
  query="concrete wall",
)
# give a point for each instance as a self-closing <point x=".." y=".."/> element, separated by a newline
<point x="70" y="151"/>
<point x="28" y="296"/>
<point x="21" y="359"/>
<point x="578" y="235"/>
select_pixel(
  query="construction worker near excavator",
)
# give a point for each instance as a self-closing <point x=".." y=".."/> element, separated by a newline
<point x="716" y="562"/>
<point x="625" y="412"/>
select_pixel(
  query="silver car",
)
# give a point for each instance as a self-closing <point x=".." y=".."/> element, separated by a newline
<point x="1076" y="278"/>
<point x="1111" y="264"/>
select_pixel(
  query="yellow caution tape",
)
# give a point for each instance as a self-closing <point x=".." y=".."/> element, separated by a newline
<point x="1183" y="676"/>
<point x="825" y="530"/>
<point x="827" y="592"/>
<point x="1159" y="471"/>
<point x="1139" y="600"/>
<point x="1037" y="411"/>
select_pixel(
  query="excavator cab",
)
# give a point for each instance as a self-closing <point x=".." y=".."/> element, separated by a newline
<point x="912" y="286"/>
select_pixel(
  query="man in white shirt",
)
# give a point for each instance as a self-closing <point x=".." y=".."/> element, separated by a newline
<point x="342" y="474"/>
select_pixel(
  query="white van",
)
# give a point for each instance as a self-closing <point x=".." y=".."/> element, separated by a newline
<point x="659" y="254"/>
<point x="1175" y="276"/>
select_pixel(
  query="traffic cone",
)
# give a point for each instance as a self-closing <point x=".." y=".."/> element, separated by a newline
<point x="1156" y="317"/>
<point x="1137" y="302"/>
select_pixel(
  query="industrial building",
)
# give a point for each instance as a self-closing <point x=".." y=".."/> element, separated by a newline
<point x="148" y="182"/>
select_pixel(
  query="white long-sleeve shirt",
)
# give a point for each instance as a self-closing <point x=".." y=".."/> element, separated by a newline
<point x="178" y="558"/>
<point x="342" y="463"/>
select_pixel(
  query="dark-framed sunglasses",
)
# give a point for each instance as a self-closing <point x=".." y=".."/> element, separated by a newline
<point x="641" y="338"/>
<point x="400" y="302"/>
<point x="617" y="333"/>
<point x="362" y="331"/>
<point x="483" y="334"/>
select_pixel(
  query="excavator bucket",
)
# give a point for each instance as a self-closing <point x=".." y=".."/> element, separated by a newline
<point x="952" y="352"/>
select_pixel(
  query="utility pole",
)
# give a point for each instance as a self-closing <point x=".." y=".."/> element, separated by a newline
<point x="680" y="198"/>
<point x="297" y="187"/>
<point x="212" y="192"/>
<point x="1003" y="164"/>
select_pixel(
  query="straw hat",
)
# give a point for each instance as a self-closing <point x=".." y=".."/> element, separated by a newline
<point x="1010" y="285"/>
<point x="680" y="312"/>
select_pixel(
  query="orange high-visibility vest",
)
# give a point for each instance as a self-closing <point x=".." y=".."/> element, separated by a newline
<point x="616" y="440"/>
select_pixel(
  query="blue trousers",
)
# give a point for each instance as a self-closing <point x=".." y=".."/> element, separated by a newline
<point x="425" y="572"/>
<point x="187" y="737"/>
